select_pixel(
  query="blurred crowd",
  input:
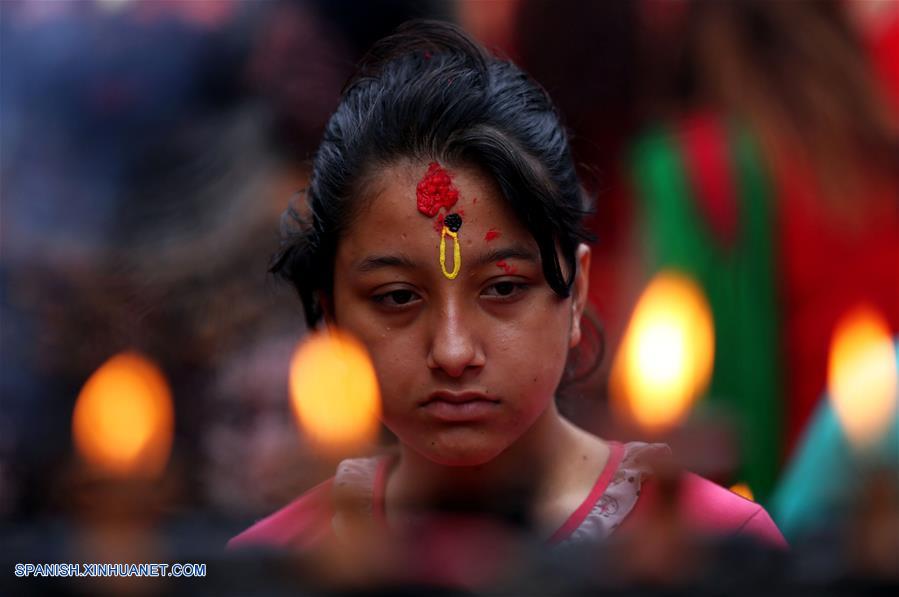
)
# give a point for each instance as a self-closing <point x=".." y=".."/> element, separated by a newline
<point x="147" y="148"/>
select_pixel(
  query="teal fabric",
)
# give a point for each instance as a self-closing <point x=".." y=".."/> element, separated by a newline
<point x="821" y="484"/>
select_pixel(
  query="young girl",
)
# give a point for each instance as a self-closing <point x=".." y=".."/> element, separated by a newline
<point x="444" y="230"/>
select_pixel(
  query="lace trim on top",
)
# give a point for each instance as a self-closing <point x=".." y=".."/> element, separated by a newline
<point x="620" y="496"/>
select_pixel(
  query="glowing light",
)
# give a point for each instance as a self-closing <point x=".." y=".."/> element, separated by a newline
<point x="123" y="418"/>
<point x="665" y="359"/>
<point x="862" y="375"/>
<point x="742" y="489"/>
<point x="334" y="391"/>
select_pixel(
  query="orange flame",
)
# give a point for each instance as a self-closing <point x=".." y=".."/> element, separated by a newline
<point x="742" y="489"/>
<point x="862" y="375"/>
<point x="665" y="359"/>
<point x="335" y="392"/>
<point x="123" y="418"/>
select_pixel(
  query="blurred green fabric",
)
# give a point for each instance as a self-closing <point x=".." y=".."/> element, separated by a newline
<point x="738" y="277"/>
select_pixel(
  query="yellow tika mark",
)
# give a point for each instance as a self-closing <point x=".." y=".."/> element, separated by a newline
<point x="457" y="253"/>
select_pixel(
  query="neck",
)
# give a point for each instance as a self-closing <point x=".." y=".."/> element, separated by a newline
<point x="535" y="471"/>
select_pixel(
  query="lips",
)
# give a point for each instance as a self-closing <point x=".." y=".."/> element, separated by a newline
<point x="455" y="407"/>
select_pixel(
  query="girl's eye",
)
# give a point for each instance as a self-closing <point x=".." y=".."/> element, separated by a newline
<point x="504" y="290"/>
<point x="396" y="298"/>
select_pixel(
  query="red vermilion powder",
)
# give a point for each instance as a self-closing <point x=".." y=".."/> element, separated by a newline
<point x="509" y="269"/>
<point x="492" y="234"/>
<point x="436" y="191"/>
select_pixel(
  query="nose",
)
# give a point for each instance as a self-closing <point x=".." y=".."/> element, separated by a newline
<point x="455" y="346"/>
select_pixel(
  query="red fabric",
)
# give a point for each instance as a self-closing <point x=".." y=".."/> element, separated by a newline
<point x="709" y="509"/>
<point x="704" y="140"/>
<point x="379" y="491"/>
<point x="302" y="524"/>
<point x="883" y="48"/>
<point x="829" y="266"/>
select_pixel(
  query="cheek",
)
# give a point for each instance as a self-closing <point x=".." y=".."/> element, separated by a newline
<point x="393" y="370"/>
<point x="391" y="350"/>
<point x="551" y="339"/>
<point x="542" y="336"/>
<point x="398" y="366"/>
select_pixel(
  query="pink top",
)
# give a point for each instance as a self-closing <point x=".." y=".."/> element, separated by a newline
<point x="624" y="494"/>
<point x="602" y="482"/>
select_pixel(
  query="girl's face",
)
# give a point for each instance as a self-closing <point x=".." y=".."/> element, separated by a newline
<point x="466" y="365"/>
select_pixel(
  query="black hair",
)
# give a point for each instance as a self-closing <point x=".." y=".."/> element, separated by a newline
<point x="429" y="92"/>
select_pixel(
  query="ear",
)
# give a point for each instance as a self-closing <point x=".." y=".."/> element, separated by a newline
<point x="579" y="293"/>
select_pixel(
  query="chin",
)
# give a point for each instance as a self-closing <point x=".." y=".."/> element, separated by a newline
<point x="459" y="453"/>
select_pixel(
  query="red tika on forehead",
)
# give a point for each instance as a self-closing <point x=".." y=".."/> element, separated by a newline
<point x="436" y="191"/>
<point x="492" y="234"/>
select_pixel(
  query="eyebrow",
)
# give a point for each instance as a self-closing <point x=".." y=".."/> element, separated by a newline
<point x="375" y="262"/>
<point x="503" y="253"/>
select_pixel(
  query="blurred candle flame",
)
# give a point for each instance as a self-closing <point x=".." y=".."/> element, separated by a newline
<point x="665" y="360"/>
<point x="742" y="489"/>
<point x="334" y="391"/>
<point x="862" y="375"/>
<point x="123" y="418"/>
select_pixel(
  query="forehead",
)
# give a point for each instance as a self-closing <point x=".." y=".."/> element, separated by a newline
<point x="389" y="210"/>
